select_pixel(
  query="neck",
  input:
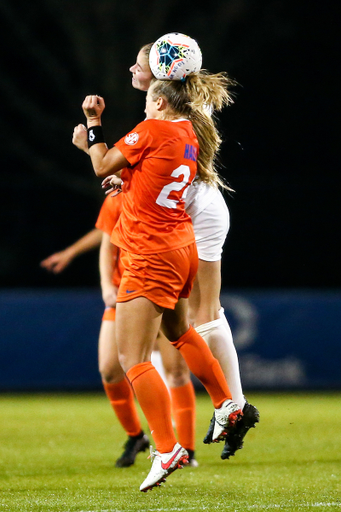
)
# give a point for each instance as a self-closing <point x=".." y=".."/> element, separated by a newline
<point x="171" y="116"/>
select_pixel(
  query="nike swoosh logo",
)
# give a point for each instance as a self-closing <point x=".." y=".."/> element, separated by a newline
<point x="167" y="465"/>
<point x="130" y="291"/>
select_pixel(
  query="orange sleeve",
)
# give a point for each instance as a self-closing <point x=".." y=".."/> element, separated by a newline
<point x="135" y="145"/>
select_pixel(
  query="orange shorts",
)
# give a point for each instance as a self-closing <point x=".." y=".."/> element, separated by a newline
<point x="109" y="314"/>
<point x="162" y="278"/>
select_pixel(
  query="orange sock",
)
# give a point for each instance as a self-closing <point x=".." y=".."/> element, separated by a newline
<point x="122" y="400"/>
<point x="153" y="397"/>
<point x="203" y="365"/>
<point x="183" y="407"/>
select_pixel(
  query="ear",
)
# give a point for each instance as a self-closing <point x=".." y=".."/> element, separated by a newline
<point x="161" y="103"/>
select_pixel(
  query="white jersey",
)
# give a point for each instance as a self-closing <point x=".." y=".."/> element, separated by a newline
<point x="210" y="217"/>
<point x="199" y="195"/>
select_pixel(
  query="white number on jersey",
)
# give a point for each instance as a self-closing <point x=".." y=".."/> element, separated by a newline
<point x="175" y="186"/>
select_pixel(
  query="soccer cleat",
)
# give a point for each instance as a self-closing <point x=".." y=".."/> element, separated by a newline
<point x="163" y="464"/>
<point x="132" y="447"/>
<point x="225" y="418"/>
<point x="192" y="462"/>
<point x="234" y="439"/>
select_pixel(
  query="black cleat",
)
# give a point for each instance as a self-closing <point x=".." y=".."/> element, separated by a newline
<point x="209" y="435"/>
<point x="192" y="462"/>
<point x="234" y="439"/>
<point x="132" y="447"/>
<point x="223" y="420"/>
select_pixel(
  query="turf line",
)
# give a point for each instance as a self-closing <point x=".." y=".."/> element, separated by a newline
<point x="261" y="507"/>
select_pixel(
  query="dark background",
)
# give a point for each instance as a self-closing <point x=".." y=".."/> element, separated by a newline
<point x="280" y="138"/>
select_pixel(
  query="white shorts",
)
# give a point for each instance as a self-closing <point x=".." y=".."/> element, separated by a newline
<point x="211" y="227"/>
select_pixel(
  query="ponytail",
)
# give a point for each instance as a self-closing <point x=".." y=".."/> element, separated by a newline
<point x="197" y="98"/>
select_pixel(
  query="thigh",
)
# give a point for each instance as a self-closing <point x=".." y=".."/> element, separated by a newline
<point x="175" y="321"/>
<point x="204" y="300"/>
<point x="137" y="324"/>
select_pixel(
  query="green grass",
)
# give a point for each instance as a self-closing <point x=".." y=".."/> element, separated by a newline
<point x="57" y="454"/>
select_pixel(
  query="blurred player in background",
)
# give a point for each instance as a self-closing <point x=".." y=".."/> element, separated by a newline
<point x="58" y="261"/>
<point x="115" y="384"/>
<point x="117" y="388"/>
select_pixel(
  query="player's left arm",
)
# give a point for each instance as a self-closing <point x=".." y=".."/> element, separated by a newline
<point x="113" y="184"/>
<point x="104" y="161"/>
<point x="80" y="138"/>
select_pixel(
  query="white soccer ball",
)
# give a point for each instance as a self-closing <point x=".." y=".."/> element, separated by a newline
<point x="174" y="56"/>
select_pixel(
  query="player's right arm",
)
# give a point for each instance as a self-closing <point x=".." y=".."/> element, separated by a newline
<point x="58" y="261"/>
<point x="104" y="161"/>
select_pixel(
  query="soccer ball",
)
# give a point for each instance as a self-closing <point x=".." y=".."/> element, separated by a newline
<point x="174" y="56"/>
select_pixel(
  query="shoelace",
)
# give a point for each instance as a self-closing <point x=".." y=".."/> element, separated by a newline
<point x="152" y="453"/>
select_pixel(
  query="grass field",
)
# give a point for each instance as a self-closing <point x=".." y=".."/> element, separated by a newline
<point x="57" y="453"/>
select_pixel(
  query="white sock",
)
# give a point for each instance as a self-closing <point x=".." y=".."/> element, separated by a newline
<point x="218" y="337"/>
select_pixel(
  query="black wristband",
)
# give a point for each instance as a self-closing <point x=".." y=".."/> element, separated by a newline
<point x="95" y="135"/>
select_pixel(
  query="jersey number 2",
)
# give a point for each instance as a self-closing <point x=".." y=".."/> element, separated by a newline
<point x="175" y="186"/>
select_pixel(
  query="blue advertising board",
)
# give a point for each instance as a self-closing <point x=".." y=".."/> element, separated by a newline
<point x="284" y="339"/>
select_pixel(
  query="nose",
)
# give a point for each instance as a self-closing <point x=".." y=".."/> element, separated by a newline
<point x="132" y="69"/>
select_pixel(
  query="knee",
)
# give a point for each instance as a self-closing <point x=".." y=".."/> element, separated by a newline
<point x="175" y="331"/>
<point x="127" y="361"/>
<point x="111" y="373"/>
<point x="177" y="376"/>
<point x="124" y="361"/>
<point x="204" y="315"/>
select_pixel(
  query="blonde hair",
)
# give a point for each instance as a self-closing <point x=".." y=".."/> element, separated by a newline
<point x="197" y="98"/>
<point x="146" y="49"/>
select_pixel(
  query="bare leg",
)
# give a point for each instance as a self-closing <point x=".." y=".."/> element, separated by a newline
<point x="196" y="353"/>
<point x="137" y="325"/>
<point x="138" y="322"/>
<point x="182" y="395"/>
<point x="120" y="395"/>
<point x="204" y="307"/>
<point x="204" y="302"/>
<point x="109" y="366"/>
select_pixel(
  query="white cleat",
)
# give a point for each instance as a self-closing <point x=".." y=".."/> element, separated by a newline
<point x="163" y="465"/>
<point x="226" y="418"/>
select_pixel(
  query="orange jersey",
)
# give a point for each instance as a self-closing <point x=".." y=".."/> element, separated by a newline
<point x="163" y="162"/>
<point x="107" y="218"/>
